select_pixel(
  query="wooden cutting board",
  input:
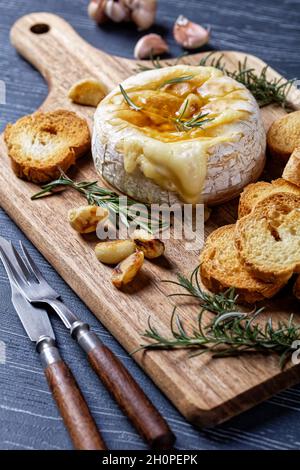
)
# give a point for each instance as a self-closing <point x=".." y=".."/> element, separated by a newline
<point x="206" y="391"/>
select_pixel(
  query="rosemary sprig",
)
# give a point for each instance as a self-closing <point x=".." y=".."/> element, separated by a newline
<point x="265" y="91"/>
<point x="130" y="103"/>
<point x="103" y="197"/>
<point x="156" y="63"/>
<point x="228" y="334"/>
<point x="196" y="122"/>
<point x="174" y="81"/>
<point x="223" y="302"/>
<point x="210" y="61"/>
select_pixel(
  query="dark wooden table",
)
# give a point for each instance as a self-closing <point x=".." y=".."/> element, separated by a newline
<point x="28" y="416"/>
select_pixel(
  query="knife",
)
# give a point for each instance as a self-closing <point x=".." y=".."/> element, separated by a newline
<point x="69" y="399"/>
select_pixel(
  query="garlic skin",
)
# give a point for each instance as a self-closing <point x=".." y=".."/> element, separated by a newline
<point x="96" y="11"/>
<point x="143" y="12"/>
<point x="116" y="11"/>
<point x="150" y="45"/>
<point x="190" y="35"/>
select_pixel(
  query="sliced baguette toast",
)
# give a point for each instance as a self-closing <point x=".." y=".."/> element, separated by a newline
<point x="268" y="239"/>
<point x="222" y="268"/>
<point x="40" y="144"/>
<point x="284" y="136"/>
<point x="256" y="192"/>
<point x="291" y="172"/>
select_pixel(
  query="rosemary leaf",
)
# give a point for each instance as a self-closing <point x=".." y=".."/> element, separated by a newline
<point x="230" y="333"/>
<point x="156" y="63"/>
<point x="174" y="81"/>
<point x="197" y="121"/>
<point x="129" y="101"/>
<point x="227" y="335"/>
<point x="217" y="303"/>
<point x="265" y="91"/>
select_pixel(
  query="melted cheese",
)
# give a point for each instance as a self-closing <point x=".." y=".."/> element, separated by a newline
<point x="177" y="159"/>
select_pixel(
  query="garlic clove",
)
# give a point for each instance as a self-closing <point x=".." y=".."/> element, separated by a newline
<point x="116" y="11"/>
<point x="96" y="11"/>
<point x="190" y="35"/>
<point x="190" y="106"/>
<point x="126" y="271"/>
<point x="150" y="246"/>
<point x="143" y="13"/>
<point x="85" y="219"/>
<point x="87" y="92"/>
<point x="150" y="45"/>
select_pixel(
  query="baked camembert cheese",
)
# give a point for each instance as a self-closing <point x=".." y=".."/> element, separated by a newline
<point x="184" y="133"/>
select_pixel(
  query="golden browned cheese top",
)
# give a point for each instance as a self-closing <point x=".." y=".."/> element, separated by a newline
<point x="162" y="105"/>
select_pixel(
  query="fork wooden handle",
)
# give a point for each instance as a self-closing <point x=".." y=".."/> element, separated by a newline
<point x="69" y="399"/>
<point x="127" y="393"/>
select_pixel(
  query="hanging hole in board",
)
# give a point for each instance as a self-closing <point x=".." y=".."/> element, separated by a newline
<point x="40" y="28"/>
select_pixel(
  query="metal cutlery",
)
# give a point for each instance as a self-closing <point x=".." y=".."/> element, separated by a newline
<point x="70" y="401"/>
<point x="24" y="273"/>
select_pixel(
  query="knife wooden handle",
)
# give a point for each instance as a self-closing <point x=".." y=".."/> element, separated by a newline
<point x="69" y="399"/>
<point x="127" y="393"/>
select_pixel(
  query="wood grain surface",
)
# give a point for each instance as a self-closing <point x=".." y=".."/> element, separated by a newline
<point x="73" y="408"/>
<point x="131" y="399"/>
<point x="205" y="391"/>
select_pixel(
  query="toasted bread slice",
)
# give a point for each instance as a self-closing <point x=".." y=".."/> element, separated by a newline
<point x="291" y="173"/>
<point x="284" y="136"/>
<point x="256" y="192"/>
<point x="40" y="144"/>
<point x="268" y="239"/>
<point x="222" y="268"/>
<point x="296" y="288"/>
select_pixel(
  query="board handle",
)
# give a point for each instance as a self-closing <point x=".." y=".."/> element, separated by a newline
<point x="55" y="49"/>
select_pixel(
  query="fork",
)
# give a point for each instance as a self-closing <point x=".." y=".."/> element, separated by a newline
<point x="127" y="393"/>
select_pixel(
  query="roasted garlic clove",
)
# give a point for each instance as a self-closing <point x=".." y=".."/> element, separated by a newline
<point x="113" y="252"/>
<point x="85" y="219"/>
<point x="190" y="35"/>
<point x="190" y="106"/>
<point x="126" y="271"/>
<point x="143" y="12"/>
<point x="150" y="246"/>
<point x="116" y="11"/>
<point x="96" y="11"/>
<point x="150" y="45"/>
<point x="87" y="92"/>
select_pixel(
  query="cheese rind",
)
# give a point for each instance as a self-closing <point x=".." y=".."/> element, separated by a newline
<point x="143" y="154"/>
